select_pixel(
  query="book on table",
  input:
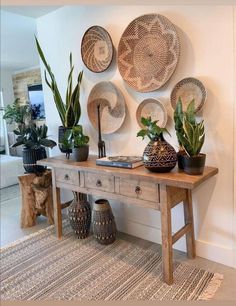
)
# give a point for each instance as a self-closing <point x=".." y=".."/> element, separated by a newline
<point x="120" y="161"/>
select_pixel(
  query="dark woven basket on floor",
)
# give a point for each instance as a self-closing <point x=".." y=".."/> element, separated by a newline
<point x="79" y="214"/>
<point x="103" y="222"/>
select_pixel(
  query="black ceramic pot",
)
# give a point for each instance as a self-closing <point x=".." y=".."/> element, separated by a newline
<point x="159" y="155"/>
<point x="104" y="227"/>
<point x="194" y="164"/>
<point x="61" y="133"/>
<point x="30" y="157"/>
<point x="81" y="153"/>
<point x="180" y="159"/>
<point x="79" y="214"/>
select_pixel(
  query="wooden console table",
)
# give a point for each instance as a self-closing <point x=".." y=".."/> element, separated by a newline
<point x="160" y="191"/>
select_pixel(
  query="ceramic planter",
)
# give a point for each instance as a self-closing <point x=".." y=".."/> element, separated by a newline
<point x="180" y="158"/>
<point x="159" y="155"/>
<point x="194" y="164"/>
<point x="30" y="157"/>
<point x="61" y="133"/>
<point x="80" y="153"/>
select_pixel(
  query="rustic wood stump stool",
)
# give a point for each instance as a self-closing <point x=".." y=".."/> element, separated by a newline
<point x="36" y="198"/>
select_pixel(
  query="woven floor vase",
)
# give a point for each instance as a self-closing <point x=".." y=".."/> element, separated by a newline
<point x="103" y="222"/>
<point x="79" y="214"/>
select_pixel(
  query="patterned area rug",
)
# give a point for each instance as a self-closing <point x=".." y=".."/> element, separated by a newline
<point x="41" y="267"/>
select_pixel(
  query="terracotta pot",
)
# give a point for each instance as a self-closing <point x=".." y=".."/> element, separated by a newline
<point x="159" y="155"/>
<point x="81" y="153"/>
<point x="104" y="227"/>
<point x="79" y="214"/>
<point x="194" y="164"/>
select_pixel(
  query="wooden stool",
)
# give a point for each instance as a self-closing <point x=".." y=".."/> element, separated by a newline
<point x="36" y="198"/>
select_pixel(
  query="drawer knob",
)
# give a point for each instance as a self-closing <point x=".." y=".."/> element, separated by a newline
<point x="66" y="177"/>
<point x="99" y="183"/>
<point x="138" y="190"/>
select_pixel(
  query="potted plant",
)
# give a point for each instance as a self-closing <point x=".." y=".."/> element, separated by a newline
<point x="18" y="113"/>
<point x="159" y="155"/>
<point x="192" y="141"/>
<point x="178" y="120"/>
<point x="34" y="140"/>
<point x="78" y="142"/>
<point x="70" y="110"/>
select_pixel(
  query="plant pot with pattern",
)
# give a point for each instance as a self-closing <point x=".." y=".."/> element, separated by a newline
<point x="34" y="140"/>
<point x="192" y="140"/>
<point x="78" y="142"/>
<point x="159" y="155"/>
<point x="70" y="110"/>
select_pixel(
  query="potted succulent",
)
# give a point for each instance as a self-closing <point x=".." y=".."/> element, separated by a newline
<point x="159" y="155"/>
<point x="34" y="140"/>
<point x="70" y="110"/>
<point x="178" y="120"/>
<point x="192" y="141"/>
<point x="18" y="113"/>
<point x="76" y="140"/>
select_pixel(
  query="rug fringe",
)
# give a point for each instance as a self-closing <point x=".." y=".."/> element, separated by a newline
<point x="212" y="287"/>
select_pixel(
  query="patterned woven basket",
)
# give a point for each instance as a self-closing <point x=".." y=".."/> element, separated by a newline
<point x="104" y="226"/>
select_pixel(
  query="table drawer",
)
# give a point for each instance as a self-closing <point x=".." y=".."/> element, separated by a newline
<point x="67" y="176"/>
<point x="139" y="189"/>
<point x="99" y="181"/>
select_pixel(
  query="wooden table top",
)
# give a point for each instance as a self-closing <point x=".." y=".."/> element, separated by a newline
<point x="175" y="178"/>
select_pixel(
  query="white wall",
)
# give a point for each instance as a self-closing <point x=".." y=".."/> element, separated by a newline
<point x="206" y="34"/>
<point x="6" y="86"/>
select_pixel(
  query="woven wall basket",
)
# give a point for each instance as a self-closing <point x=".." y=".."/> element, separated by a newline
<point x="112" y="107"/>
<point x="188" y="89"/>
<point x="148" y="52"/>
<point x="97" y="49"/>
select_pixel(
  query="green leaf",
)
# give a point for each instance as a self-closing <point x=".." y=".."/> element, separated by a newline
<point x="142" y="133"/>
<point x="47" y="143"/>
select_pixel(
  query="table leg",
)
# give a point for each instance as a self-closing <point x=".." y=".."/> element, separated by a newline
<point x="167" y="253"/>
<point x="188" y="217"/>
<point x="57" y="207"/>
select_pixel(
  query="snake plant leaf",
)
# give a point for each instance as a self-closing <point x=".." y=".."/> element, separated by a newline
<point x="190" y="112"/>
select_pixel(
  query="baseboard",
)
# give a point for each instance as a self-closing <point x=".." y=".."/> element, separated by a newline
<point x="210" y="251"/>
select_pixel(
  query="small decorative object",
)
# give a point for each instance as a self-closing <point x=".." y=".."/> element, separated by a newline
<point x="192" y="138"/>
<point x="189" y="89"/>
<point x="129" y="162"/>
<point x="148" y="52"/>
<point x="104" y="227"/>
<point x="34" y="140"/>
<point x="101" y="143"/>
<point x="152" y="108"/>
<point x="75" y="140"/>
<point x="69" y="111"/>
<point x="79" y="214"/>
<point x="97" y="49"/>
<point x="159" y="155"/>
<point x="111" y="110"/>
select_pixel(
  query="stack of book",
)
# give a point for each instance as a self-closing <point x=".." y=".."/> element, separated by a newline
<point x="120" y="161"/>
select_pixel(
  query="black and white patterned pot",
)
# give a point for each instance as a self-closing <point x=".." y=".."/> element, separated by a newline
<point x="159" y="155"/>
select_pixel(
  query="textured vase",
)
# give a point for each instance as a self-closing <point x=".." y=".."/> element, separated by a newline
<point x="79" y="214"/>
<point x="104" y="226"/>
<point x="30" y="158"/>
<point x="159" y="155"/>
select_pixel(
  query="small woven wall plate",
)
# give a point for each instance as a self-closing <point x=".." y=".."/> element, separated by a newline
<point x="154" y="109"/>
<point x="188" y="89"/>
<point x="112" y="107"/>
<point x="148" y="52"/>
<point x="97" y="49"/>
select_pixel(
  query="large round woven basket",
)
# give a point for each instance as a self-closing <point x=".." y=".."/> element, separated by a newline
<point x="112" y="107"/>
<point x="148" y="52"/>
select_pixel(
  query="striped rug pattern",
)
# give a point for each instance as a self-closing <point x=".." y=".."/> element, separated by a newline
<point x="41" y="267"/>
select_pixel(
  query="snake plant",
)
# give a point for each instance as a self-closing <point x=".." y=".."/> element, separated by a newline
<point x="69" y="111"/>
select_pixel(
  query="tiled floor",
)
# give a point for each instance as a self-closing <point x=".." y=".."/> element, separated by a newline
<point x="11" y="231"/>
